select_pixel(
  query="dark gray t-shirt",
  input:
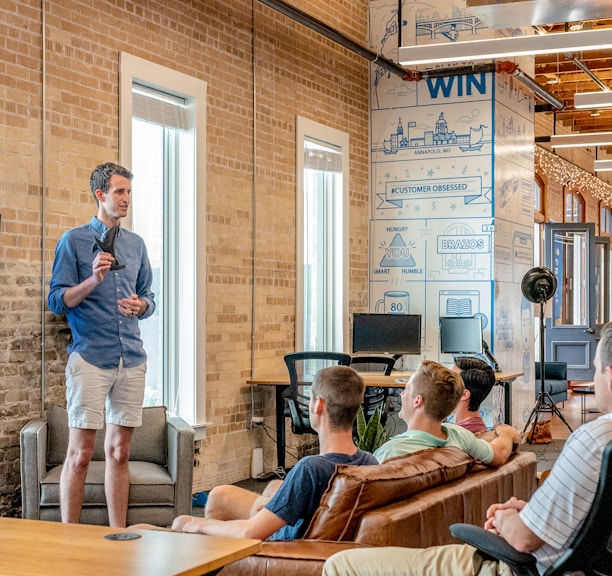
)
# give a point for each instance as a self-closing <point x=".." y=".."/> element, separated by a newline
<point x="299" y="495"/>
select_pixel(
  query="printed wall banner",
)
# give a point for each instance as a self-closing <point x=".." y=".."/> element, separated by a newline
<point x="451" y="231"/>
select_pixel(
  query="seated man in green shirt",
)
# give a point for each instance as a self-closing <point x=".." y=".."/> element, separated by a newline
<point x="430" y="396"/>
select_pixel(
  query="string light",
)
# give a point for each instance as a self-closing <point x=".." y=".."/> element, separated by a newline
<point x="565" y="173"/>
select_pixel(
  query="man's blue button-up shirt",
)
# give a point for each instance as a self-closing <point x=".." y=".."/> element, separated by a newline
<point x="100" y="334"/>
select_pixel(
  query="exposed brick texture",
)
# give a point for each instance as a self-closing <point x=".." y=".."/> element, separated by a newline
<point x="54" y="131"/>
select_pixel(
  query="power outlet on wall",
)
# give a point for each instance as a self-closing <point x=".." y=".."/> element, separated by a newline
<point x="257" y="420"/>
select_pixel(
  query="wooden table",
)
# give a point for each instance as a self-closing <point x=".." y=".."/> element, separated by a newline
<point x="37" y="548"/>
<point x="280" y="383"/>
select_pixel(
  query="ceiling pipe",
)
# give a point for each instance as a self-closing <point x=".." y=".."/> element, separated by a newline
<point x="587" y="71"/>
<point x="380" y="60"/>
<point x="531" y="83"/>
<point x="459" y="71"/>
<point x="339" y="38"/>
<point x="514" y="70"/>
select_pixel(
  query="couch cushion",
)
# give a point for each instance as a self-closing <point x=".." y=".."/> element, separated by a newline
<point x="149" y="443"/>
<point x="353" y="490"/>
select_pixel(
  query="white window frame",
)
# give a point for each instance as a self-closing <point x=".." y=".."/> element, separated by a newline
<point x="190" y="384"/>
<point x="306" y="128"/>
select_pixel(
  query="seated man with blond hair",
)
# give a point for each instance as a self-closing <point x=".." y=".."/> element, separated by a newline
<point x="430" y="396"/>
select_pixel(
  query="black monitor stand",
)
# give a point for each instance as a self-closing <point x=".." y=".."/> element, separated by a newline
<point x="490" y="358"/>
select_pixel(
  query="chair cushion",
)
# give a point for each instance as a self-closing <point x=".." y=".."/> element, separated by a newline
<point x="149" y="443"/>
<point x="552" y="386"/>
<point x="150" y="484"/>
<point x="354" y="490"/>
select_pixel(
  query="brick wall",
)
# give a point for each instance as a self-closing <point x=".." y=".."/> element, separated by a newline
<point x="45" y="169"/>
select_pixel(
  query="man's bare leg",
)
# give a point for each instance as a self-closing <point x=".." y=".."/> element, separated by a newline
<point x="117" y="473"/>
<point x="235" y="503"/>
<point x="74" y="472"/>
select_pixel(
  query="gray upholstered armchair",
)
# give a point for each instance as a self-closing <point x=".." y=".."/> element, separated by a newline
<point x="555" y="380"/>
<point x="161" y="469"/>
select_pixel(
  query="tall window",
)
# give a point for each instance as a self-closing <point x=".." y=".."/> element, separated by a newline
<point x="605" y="219"/>
<point x="162" y="136"/>
<point x="539" y="217"/>
<point x="322" y="237"/>
<point x="574" y="207"/>
<point x="539" y="199"/>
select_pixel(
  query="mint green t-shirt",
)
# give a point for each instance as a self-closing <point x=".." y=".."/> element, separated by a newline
<point x="414" y="440"/>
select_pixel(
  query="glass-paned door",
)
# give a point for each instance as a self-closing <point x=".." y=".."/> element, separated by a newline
<point x="570" y="329"/>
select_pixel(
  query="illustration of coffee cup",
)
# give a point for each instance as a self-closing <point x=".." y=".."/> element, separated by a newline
<point x="393" y="302"/>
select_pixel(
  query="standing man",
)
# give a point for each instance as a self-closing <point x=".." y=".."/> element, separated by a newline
<point x="101" y="280"/>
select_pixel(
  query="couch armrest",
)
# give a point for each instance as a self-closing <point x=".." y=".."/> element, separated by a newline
<point x="181" y="438"/>
<point x="33" y="464"/>
<point x="282" y="557"/>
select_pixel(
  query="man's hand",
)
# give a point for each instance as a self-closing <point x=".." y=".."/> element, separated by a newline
<point x="504" y="444"/>
<point x="511" y="432"/>
<point x="131" y="306"/>
<point x="512" y="504"/>
<point x="101" y="265"/>
<point x="504" y="519"/>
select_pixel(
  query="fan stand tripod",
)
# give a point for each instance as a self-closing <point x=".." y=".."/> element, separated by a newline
<point x="544" y="400"/>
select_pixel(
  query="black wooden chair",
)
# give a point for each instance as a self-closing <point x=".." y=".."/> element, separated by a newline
<point x="590" y="552"/>
<point x="375" y="396"/>
<point x="302" y="364"/>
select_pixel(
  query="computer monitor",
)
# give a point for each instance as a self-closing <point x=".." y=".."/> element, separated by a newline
<point x="387" y="333"/>
<point x="461" y="335"/>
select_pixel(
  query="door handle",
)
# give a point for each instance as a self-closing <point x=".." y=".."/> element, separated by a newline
<point x="589" y="331"/>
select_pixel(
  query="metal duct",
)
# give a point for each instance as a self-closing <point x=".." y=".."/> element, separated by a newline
<point x="325" y="30"/>
<point x="587" y="71"/>
<point x="335" y="36"/>
<point x="531" y="83"/>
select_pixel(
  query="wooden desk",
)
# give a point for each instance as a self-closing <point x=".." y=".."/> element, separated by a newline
<point x="281" y="383"/>
<point x="37" y="548"/>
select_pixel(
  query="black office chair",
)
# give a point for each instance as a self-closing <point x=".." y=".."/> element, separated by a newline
<point x="590" y="552"/>
<point x="375" y="397"/>
<point x="296" y="403"/>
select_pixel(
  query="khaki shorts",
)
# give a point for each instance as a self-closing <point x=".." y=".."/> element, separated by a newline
<point x="453" y="559"/>
<point x="91" y="390"/>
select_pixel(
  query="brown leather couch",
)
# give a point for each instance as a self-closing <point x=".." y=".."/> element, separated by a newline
<point x="407" y="501"/>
